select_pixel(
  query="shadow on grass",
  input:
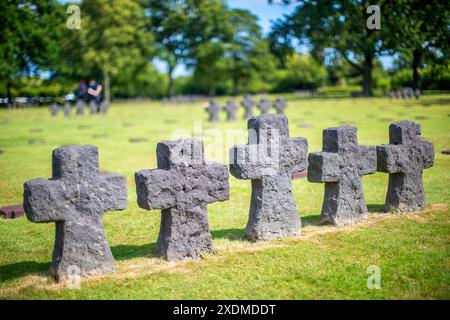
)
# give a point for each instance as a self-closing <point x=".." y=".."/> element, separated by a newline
<point x="230" y="234"/>
<point x="442" y="102"/>
<point x="19" y="269"/>
<point x="124" y="252"/>
<point x="311" y="220"/>
<point x="376" y="208"/>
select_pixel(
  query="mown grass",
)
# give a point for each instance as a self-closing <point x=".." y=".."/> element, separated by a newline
<point x="412" y="251"/>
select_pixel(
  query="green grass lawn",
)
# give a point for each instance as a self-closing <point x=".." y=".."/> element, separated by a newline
<point x="412" y="251"/>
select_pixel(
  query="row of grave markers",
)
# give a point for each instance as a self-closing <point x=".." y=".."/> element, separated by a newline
<point x="248" y="104"/>
<point x="79" y="107"/>
<point x="184" y="184"/>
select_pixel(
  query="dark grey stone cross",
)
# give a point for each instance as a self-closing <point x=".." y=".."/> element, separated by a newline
<point x="75" y="199"/>
<point x="182" y="186"/>
<point x="341" y="166"/>
<point x="404" y="159"/>
<point x="248" y="103"/>
<point x="213" y="110"/>
<point x="264" y="106"/>
<point x="269" y="160"/>
<point x="280" y="105"/>
<point x="231" y="108"/>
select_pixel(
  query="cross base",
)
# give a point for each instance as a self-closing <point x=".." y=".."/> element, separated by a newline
<point x="405" y="193"/>
<point x="273" y="213"/>
<point x="184" y="233"/>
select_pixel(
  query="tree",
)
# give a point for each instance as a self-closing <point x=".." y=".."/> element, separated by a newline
<point x="29" y="38"/>
<point x="419" y="30"/>
<point x="180" y="26"/>
<point x="248" y="51"/>
<point x="341" y="25"/>
<point x="113" y="38"/>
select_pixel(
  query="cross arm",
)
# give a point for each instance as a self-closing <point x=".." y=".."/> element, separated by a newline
<point x="113" y="187"/>
<point x="157" y="189"/>
<point x="324" y="167"/>
<point x="389" y="158"/>
<point x="294" y="154"/>
<point x="427" y="154"/>
<point x="215" y="181"/>
<point x="367" y="160"/>
<point x="44" y="200"/>
<point x="250" y="161"/>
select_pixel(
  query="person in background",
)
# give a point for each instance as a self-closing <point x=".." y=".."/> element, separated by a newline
<point x="94" y="93"/>
<point x="81" y="91"/>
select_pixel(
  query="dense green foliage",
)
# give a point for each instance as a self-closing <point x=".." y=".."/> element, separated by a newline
<point x="223" y="49"/>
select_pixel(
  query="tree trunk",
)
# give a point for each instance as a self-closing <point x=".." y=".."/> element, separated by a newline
<point x="367" y="75"/>
<point x="9" y="95"/>
<point x="107" y="92"/>
<point x="235" y="86"/>
<point x="417" y="57"/>
<point x="170" y="88"/>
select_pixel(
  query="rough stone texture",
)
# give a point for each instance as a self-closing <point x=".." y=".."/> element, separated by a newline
<point x="67" y="109"/>
<point x="54" y="109"/>
<point x="92" y="107"/>
<point x="404" y="159"/>
<point x="280" y="105"/>
<point x="213" y="110"/>
<point x="264" y="106"/>
<point x="80" y="107"/>
<point x="75" y="199"/>
<point x="341" y="166"/>
<point x="181" y="187"/>
<point x="248" y="103"/>
<point x="231" y="108"/>
<point x="269" y="160"/>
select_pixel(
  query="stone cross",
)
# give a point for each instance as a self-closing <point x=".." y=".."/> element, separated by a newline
<point x="404" y="159"/>
<point x="67" y="109"/>
<point x="92" y="107"/>
<point x="264" y="106"/>
<point x="341" y="166"/>
<point x="182" y="187"/>
<point x="75" y="198"/>
<point x="80" y="107"/>
<point x="280" y="105"/>
<point x="248" y="105"/>
<point x="104" y="107"/>
<point x="269" y="160"/>
<point x="213" y="110"/>
<point x="54" y="109"/>
<point x="231" y="108"/>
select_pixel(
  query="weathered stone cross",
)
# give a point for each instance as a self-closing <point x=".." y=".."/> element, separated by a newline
<point x="248" y="105"/>
<point x="264" y="106"/>
<point x="231" y="108"/>
<point x="182" y="186"/>
<point x="213" y="110"/>
<point x="280" y="105"/>
<point x="75" y="199"/>
<point x="404" y="159"/>
<point x="341" y="166"/>
<point x="80" y="107"/>
<point x="269" y="160"/>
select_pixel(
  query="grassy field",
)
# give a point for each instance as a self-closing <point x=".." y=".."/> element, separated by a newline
<point x="412" y="251"/>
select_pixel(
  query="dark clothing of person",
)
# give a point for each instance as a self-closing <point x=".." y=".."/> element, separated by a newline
<point x="97" y="99"/>
<point x="82" y="91"/>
